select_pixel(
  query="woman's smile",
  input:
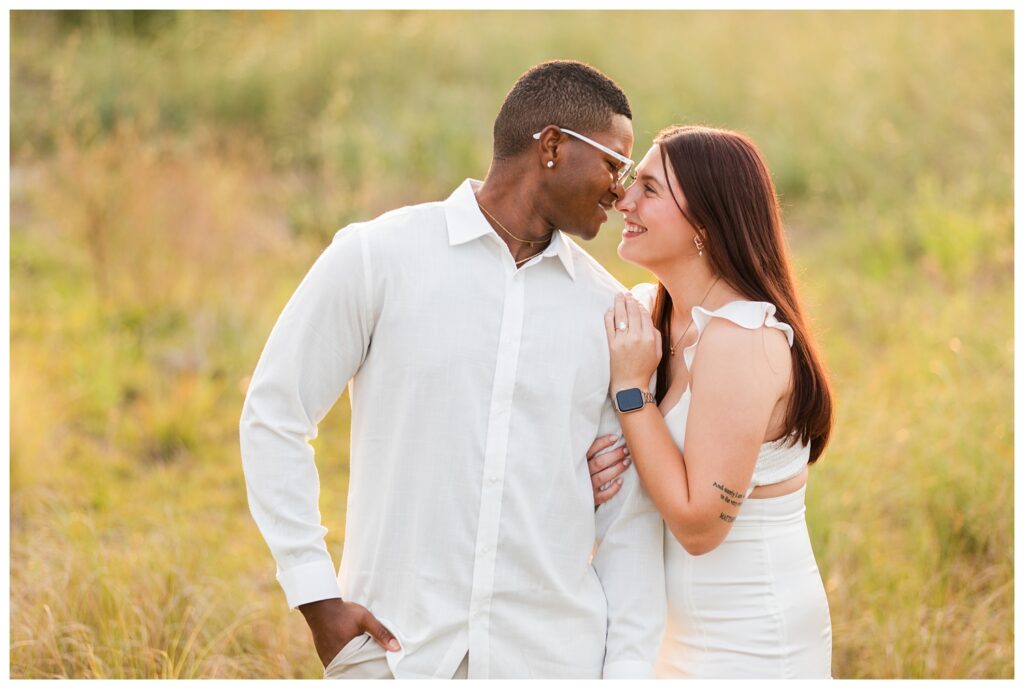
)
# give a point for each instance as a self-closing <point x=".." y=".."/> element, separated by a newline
<point x="632" y="230"/>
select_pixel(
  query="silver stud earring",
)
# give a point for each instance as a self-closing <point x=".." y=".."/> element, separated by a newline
<point x="551" y="163"/>
<point x="699" y="244"/>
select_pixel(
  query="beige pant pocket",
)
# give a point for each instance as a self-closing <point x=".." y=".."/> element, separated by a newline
<point x="346" y="652"/>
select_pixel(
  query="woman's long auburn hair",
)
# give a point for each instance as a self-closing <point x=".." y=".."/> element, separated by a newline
<point x="733" y="204"/>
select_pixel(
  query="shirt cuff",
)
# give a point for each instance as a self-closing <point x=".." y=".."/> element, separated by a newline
<point x="310" y="582"/>
<point x="628" y="669"/>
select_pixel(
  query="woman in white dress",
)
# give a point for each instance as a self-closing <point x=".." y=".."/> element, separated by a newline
<point x="723" y="421"/>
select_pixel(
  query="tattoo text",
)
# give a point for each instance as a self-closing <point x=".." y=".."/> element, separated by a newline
<point x="728" y="495"/>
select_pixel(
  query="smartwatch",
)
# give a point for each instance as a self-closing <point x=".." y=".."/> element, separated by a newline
<point x="632" y="399"/>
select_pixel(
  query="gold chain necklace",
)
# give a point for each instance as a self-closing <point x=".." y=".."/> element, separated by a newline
<point x="524" y="260"/>
<point x="531" y="242"/>
<point x="672" y="348"/>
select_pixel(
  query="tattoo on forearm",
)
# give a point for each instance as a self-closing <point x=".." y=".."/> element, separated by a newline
<point x="726" y="518"/>
<point x="729" y="496"/>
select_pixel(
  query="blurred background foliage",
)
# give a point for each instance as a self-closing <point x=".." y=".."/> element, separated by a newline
<point x="174" y="174"/>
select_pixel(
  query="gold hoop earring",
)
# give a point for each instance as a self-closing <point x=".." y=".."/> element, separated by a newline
<point x="697" y="242"/>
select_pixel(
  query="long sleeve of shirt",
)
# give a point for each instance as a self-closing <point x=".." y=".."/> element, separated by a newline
<point x="316" y="346"/>
<point x="629" y="563"/>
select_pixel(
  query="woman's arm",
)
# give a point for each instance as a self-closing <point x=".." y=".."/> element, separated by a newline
<point x="731" y="403"/>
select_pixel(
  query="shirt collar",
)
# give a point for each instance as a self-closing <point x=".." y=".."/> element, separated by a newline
<point x="466" y="222"/>
<point x="561" y="246"/>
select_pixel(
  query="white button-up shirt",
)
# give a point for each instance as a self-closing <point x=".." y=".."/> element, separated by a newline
<point x="476" y="390"/>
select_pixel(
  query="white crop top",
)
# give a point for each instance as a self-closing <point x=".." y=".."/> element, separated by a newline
<point x="777" y="460"/>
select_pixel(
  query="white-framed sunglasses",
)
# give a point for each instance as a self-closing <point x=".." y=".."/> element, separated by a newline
<point x="626" y="164"/>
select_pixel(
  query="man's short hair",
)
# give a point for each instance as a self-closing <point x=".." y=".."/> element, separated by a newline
<point x="561" y="92"/>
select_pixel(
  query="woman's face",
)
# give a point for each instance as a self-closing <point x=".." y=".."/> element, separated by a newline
<point x="655" y="232"/>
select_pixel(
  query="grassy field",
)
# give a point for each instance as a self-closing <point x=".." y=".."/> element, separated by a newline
<point x="174" y="175"/>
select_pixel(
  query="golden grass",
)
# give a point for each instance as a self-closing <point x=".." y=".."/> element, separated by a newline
<point x="173" y="178"/>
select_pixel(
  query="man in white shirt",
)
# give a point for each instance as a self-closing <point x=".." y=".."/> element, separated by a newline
<point x="471" y="335"/>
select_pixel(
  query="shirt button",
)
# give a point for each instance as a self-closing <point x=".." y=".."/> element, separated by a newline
<point x="494" y="480"/>
<point x="485" y="549"/>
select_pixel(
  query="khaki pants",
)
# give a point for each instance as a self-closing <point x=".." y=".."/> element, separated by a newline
<point x="363" y="658"/>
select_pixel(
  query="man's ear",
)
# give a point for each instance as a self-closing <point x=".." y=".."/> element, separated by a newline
<point x="548" y="140"/>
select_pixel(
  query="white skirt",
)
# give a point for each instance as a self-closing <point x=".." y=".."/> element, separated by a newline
<point x="754" y="606"/>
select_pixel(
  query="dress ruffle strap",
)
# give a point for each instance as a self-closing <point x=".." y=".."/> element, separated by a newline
<point x="747" y="314"/>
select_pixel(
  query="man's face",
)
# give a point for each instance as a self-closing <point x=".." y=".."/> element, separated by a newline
<point x="587" y="183"/>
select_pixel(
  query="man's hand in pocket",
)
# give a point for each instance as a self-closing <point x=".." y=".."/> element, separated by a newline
<point x="334" y="623"/>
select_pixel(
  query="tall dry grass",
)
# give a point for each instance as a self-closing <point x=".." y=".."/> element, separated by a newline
<point x="173" y="176"/>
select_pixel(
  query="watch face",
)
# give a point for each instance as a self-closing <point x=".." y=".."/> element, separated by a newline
<point x="630" y="399"/>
